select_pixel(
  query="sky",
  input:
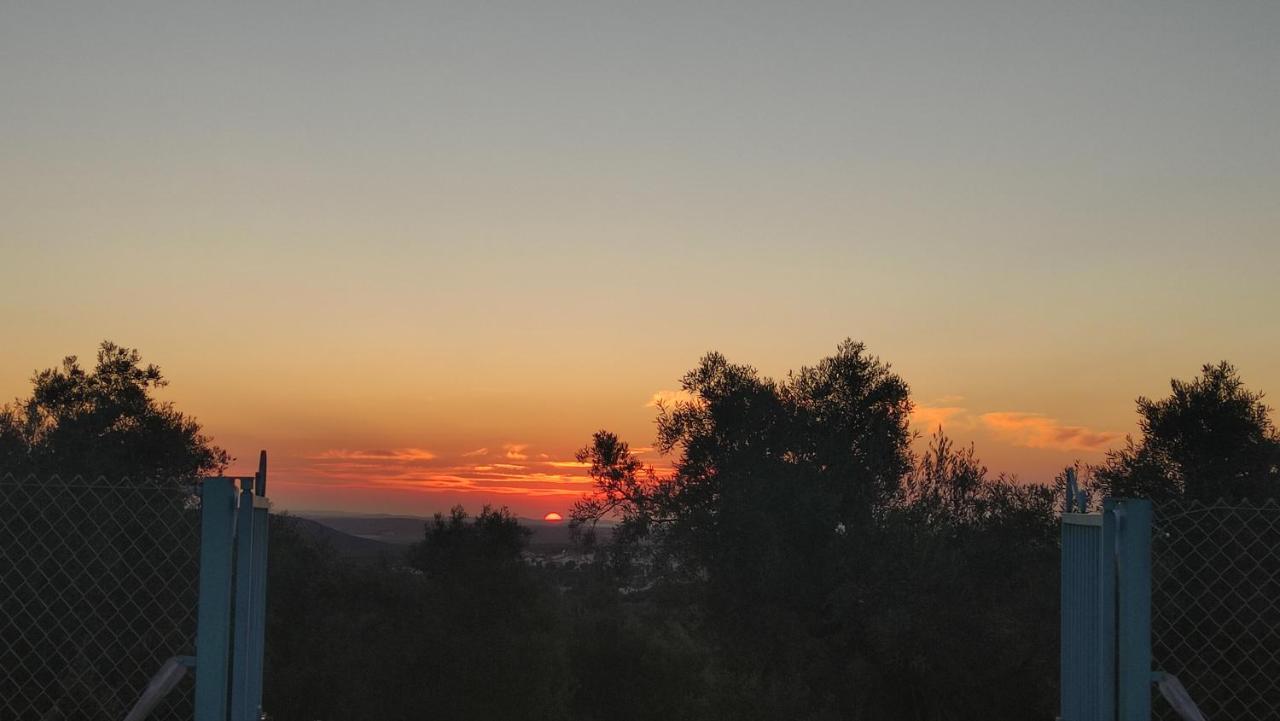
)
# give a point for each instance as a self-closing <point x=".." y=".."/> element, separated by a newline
<point x="421" y="251"/>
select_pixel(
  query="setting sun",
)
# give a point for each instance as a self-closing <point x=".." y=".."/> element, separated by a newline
<point x="553" y="517"/>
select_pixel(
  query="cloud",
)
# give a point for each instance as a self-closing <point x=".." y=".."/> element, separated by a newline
<point x="670" y="398"/>
<point x="1027" y="430"/>
<point x="1034" y="430"/>
<point x="567" y="464"/>
<point x="499" y="479"/>
<point x="408" y="470"/>
<point x="476" y="452"/>
<point x="396" y="454"/>
<point x="930" y="417"/>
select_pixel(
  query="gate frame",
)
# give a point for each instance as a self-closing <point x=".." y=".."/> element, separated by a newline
<point x="1115" y="664"/>
<point x="233" y="554"/>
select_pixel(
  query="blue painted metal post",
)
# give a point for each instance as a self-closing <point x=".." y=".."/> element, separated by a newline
<point x="1107" y="613"/>
<point x="241" y="650"/>
<point x="1083" y="555"/>
<point x="1133" y="562"/>
<point x="258" y="619"/>
<point x="213" y="632"/>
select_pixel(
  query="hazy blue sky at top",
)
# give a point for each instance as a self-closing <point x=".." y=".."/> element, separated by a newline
<point x="1052" y="103"/>
<point x="1005" y="198"/>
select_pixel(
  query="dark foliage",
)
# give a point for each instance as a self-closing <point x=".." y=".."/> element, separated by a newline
<point x="463" y="631"/>
<point x="1211" y="438"/>
<point x="828" y="572"/>
<point x="105" y="421"/>
<point x="799" y="562"/>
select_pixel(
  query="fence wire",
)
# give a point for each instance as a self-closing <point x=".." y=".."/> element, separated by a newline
<point x="1215" y="618"/>
<point x="98" y="587"/>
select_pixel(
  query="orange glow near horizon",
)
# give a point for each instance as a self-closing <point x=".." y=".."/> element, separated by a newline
<point x="376" y="451"/>
<point x="404" y="476"/>
<point x="553" y="517"/>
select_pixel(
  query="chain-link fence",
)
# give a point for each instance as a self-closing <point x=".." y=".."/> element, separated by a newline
<point x="98" y="587"/>
<point x="1215" y="606"/>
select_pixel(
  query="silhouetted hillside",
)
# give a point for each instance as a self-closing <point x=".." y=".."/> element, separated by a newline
<point x="346" y="545"/>
<point x="404" y="530"/>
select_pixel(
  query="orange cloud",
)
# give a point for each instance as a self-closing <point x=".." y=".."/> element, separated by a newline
<point x="930" y="417"/>
<point x="1033" y="430"/>
<point x="504" y="479"/>
<point x="378" y="472"/>
<point x="397" y="454"/>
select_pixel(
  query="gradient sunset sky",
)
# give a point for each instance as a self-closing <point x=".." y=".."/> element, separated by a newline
<point x="420" y="251"/>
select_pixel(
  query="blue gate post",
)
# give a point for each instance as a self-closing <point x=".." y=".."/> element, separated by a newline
<point x="1084" y="650"/>
<point x="1107" y="612"/>
<point x="258" y="619"/>
<point x="213" y="632"/>
<point x="1133" y="562"/>
<point x="245" y="541"/>
<point x="251" y="596"/>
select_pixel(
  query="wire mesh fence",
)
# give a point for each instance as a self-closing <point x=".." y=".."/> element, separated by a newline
<point x="1216" y="606"/>
<point x="98" y="587"/>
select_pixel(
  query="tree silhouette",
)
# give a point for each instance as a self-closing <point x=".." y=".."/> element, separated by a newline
<point x="959" y="617"/>
<point x="103" y="422"/>
<point x="457" y="547"/>
<point x="772" y="483"/>
<point x="462" y="630"/>
<point x="101" y="572"/>
<point x="1211" y="438"/>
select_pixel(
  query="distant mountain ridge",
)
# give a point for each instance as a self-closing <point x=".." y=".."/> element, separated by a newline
<point x="346" y="545"/>
<point x="393" y="530"/>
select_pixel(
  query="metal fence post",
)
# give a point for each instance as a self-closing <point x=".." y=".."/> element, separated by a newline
<point x="258" y="619"/>
<point x="251" y="597"/>
<point x="1133" y="560"/>
<point x="241" y="649"/>
<point x="1084" y="651"/>
<point x="1107" y="613"/>
<point x="213" y="633"/>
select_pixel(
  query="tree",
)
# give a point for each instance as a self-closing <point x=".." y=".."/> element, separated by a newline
<point x="828" y="445"/>
<point x="498" y="644"/>
<point x="1211" y="438"/>
<point x="945" y="485"/>
<point x="765" y="472"/>
<point x="103" y="422"/>
<point x="465" y="630"/>
<point x="458" y="548"/>
<point x="961" y="578"/>
<point x="623" y="489"/>
<point x="111" y="558"/>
